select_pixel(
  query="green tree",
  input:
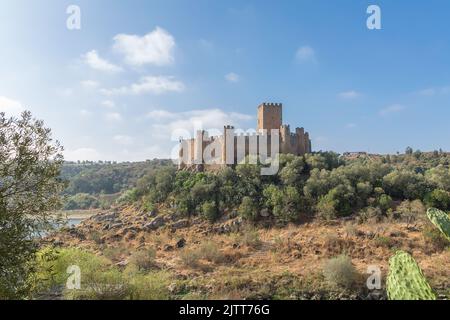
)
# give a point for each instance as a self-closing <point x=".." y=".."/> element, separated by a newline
<point x="30" y="162"/>
<point x="438" y="199"/>
<point x="248" y="209"/>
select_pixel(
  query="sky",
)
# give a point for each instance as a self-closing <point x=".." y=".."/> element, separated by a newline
<point x="139" y="74"/>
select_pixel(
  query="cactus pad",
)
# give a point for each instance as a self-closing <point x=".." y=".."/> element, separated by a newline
<point x="406" y="280"/>
<point x="441" y="220"/>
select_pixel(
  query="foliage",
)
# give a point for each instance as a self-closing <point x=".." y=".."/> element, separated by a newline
<point x="340" y="272"/>
<point x="30" y="162"/>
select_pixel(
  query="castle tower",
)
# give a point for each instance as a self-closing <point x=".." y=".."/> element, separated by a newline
<point x="270" y="116"/>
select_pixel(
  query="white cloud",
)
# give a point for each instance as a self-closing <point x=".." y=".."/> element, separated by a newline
<point x="108" y="103"/>
<point x="89" y="154"/>
<point x="156" y="48"/>
<point x="160" y="114"/>
<point x="434" y="91"/>
<point x="93" y="60"/>
<point x="149" y="84"/>
<point x="90" y="84"/>
<point x="113" y="117"/>
<point x="123" y="140"/>
<point x="305" y="54"/>
<point x="174" y="125"/>
<point x="85" y="113"/>
<point x="232" y="77"/>
<point x="10" y="106"/>
<point x="349" y="95"/>
<point x="395" y="108"/>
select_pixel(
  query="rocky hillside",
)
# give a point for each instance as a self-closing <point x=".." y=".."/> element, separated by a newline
<point x="233" y="259"/>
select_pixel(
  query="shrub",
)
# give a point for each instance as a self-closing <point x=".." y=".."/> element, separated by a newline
<point x="433" y="237"/>
<point x="190" y="258"/>
<point x="385" y="242"/>
<point x="248" y="209"/>
<point x="210" y="251"/>
<point x="143" y="259"/>
<point x="210" y="211"/>
<point x="438" y="199"/>
<point x="384" y="202"/>
<point x="100" y="284"/>
<point x="340" y="272"/>
<point x="152" y="286"/>
<point x="51" y="267"/>
<point x="370" y="214"/>
<point x="249" y="238"/>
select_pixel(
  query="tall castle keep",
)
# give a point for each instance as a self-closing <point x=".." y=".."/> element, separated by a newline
<point x="232" y="148"/>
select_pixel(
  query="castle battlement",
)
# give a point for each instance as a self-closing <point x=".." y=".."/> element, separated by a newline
<point x="269" y="118"/>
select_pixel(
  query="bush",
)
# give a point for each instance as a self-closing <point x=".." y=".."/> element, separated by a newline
<point x="101" y="285"/>
<point x="434" y="238"/>
<point x="51" y="268"/>
<point x="340" y="272"/>
<point x="248" y="209"/>
<point x="371" y="215"/>
<point x="439" y="199"/>
<point x="81" y="201"/>
<point x="143" y="259"/>
<point x="152" y="286"/>
<point x="210" y="251"/>
<point x="190" y="258"/>
<point x="385" y="242"/>
<point x="210" y="211"/>
<point x="249" y="238"/>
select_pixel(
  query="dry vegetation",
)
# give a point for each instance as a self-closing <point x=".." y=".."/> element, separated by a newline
<point x="314" y="260"/>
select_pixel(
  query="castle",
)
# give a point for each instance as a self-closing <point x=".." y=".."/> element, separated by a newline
<point x="271" y="137"/>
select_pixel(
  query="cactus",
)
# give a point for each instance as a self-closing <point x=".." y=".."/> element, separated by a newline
<point x="405" y="279"/>
<point x="441" y="220"/>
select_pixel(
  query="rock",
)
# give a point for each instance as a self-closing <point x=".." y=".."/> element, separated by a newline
<point x="58" y="243"/>
<point x="152" y="213"/>
<point x="123" y="263"/>
<point x="180" y="224"/>
<point x="264" y="213"/>
<point x="77" y="234"/>
<point x="116" y="225"/>
<point x="168" y="247"/>
<point x="181" y="243"/>
<point x="155" y="223"/>
<point x="105" y="217"/>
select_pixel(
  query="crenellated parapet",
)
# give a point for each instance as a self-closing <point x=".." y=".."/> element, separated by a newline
<point x="233" y="148"/>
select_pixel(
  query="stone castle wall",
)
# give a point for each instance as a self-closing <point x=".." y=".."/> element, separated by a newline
<point x="216" y="148"/>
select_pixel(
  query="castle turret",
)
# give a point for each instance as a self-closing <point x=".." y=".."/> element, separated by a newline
<point x="270" y="116"/>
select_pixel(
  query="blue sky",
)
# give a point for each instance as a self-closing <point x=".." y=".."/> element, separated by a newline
<point x="139" y="73"/>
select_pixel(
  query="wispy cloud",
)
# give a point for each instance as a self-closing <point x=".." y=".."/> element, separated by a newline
<point x="155" y="48"/>
<point x="395" y="108"/>
<point x="108" y="103"/>
<point x="434" y="91"/>
<point x="149" y="84"/>
<point x="89" y="84"/>
<point x="85" y="113"/>
<point x="232" y="77"/>
<point x="113" y="117"/>
<point x="93" y="60"/>
<point x="123" y="140"/>
<point x="350" y="125"/>
<point x="349" y="95"/>
<point x="305" y="54"/>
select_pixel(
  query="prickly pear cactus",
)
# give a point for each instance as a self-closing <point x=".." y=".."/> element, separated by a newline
<point x="405" y="279"/>
<point x="441" y="220"/>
